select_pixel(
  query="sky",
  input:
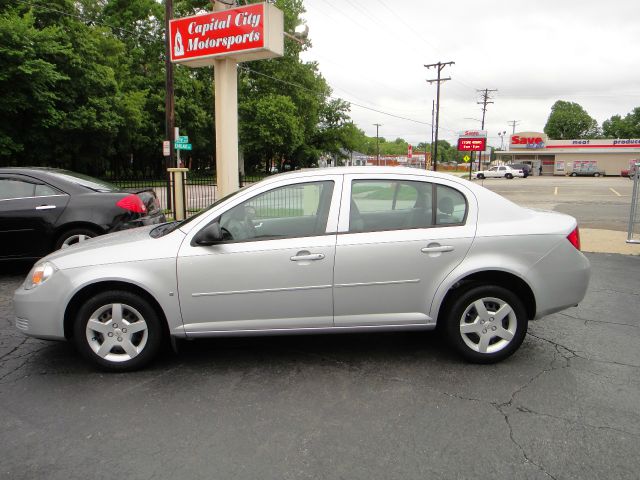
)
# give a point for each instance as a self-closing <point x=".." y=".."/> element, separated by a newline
<point x="373" y="52"/>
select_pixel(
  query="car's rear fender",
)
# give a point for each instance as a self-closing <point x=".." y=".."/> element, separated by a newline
<point x="499" y="259"/>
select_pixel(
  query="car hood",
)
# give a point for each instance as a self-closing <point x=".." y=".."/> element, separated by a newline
<point x="131" y="245"/>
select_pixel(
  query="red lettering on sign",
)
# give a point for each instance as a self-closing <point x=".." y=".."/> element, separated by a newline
<point x="518" y="140"/>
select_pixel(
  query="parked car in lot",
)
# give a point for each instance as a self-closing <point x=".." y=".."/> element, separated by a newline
<point x="525" y="167"/>
<point x="630" y="172"/>
<point x="315" y="251"/>
<point x="501" y="171"/>
<point x="44" y="209"/>
<point x="588" y="169"/>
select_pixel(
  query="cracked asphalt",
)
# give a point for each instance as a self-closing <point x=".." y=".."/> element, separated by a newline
<point x="377" y="406"/>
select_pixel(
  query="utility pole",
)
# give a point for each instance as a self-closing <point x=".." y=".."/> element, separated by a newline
<point x="378" y="125"/>
<point x="485" y="95"/>
<point x="433" y="114"/>
<point x="438" y="66"/>
<point x="169" y="103"/>
<point x="513" y="123"/>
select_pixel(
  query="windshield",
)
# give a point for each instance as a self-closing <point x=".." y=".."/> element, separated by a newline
<point x="85" y="181"/>
<point x="169" y="227"/>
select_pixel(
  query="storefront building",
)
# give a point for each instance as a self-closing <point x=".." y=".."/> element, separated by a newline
<point x="564" y="157"/>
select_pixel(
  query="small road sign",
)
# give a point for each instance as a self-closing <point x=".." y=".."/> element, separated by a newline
<point x="182" y="139"/>
<point x="466" y="158"/>
<point x="182" y="146"/>
<point x="166" y="148"/>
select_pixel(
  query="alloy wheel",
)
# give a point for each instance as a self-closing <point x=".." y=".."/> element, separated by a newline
<point x="117" y="332"/>
<point x="488" y="325"/>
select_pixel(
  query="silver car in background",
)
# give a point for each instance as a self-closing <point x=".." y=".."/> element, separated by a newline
<point x="315" y="251"/>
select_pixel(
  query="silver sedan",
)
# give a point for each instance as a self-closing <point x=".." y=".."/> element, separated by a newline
<point x="316" y="251"/>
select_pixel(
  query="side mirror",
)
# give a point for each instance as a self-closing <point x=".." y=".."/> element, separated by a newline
<point x="209" y="235"/>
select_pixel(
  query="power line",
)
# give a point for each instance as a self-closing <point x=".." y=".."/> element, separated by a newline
<point x="247" y="69"/>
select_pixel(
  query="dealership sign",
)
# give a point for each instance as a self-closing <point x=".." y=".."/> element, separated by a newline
<point x="251" y="32"/>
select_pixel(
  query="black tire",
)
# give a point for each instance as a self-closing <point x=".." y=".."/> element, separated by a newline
<point x="574" y="174"/>
<point x="596" y="174"/>
<point x="146" y="343"/>
<point x="464" y="312"/>
<point x="481" y="176"/>
<point x="73" y="236"/>
<point x="509" y="176"/>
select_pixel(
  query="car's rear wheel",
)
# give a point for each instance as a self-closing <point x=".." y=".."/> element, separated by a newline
<point x="574" y="174"/>
<point x="118" y="331"/>
<point x="486" y="324"/>
<point x="509" y="176"/>
<point x="596" y="174"/>
<point x="73" y="236"/>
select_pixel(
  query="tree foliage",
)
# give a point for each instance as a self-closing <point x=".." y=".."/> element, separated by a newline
<point x="623" y="127"/>
<point x="82" y="85"/>
<point x="569" y="120"/>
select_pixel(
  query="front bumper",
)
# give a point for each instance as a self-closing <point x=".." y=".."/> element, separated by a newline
<point x="39" y="312"/>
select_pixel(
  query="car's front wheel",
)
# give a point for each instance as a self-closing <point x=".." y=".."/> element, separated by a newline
<point x="486" y="324"/>
<point x="509" y="176"/>
<point x="481" y="176"/>
<point x="118" y="331"/>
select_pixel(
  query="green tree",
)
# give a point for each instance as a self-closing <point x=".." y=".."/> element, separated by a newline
<point x="569" y="120"/>
<point x="627" y="127"/>
<point x="275" y="132"/>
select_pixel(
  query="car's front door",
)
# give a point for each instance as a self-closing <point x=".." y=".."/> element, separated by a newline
<point x="273" y="271"/>
<point x="28" y="212"/>
<point x="398" y="239"/>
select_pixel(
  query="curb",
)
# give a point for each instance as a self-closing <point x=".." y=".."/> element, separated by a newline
<point x="606" y="241"/>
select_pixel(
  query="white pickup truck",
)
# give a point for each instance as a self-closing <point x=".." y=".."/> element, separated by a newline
<point x="501" y="171"/>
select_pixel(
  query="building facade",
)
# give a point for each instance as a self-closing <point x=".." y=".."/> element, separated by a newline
<point x="563" y="157"/>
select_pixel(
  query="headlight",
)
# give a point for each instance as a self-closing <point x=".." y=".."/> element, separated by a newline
<point x="39" y="274"/>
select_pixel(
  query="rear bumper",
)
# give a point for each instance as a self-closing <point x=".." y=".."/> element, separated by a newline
<point x="560" y="279"/>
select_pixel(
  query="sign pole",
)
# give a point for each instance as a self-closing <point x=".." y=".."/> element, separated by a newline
<point x="226" y="107"/>
<point x="470" y="166"/>
<point x="225" y="85"/>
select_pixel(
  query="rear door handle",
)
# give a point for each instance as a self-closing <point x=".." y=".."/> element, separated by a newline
<point x="307" y="257"/>
<point x="45" y="207"/>
<point x="439" y="248"/>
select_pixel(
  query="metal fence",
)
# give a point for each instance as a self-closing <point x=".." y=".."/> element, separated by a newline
<point x="633" y="233"/>
<point x="200" y="189"/>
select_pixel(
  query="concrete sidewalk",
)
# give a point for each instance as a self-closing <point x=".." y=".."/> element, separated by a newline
<point x="607" y="241"/>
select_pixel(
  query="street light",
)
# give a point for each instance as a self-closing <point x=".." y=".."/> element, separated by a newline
<point x="501" y="135"/>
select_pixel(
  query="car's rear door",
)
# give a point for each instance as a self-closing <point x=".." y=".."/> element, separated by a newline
<point x="29" y="209"/>
<point x="386" y="271"/>
<point x="275" y="270"/>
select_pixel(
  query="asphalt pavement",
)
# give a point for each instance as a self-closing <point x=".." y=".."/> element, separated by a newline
<point x="337" y="407"/>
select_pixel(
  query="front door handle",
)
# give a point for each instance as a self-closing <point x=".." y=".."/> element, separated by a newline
<point x="307" y="257"/>
<point x="45" y="207"/>
<point x="437" y="248"/>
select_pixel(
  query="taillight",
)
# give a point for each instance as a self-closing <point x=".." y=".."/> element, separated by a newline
<point x="132" y="203"/>
<point x="574" y="238"/>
